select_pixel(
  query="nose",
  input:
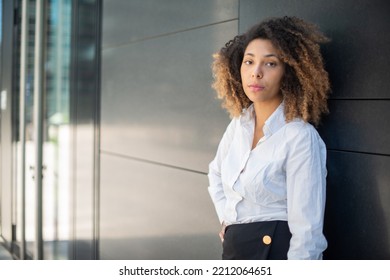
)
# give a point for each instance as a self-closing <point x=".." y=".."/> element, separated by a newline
<point x="257" y="73"/>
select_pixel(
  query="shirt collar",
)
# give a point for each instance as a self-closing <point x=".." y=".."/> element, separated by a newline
<point x="272" y="124"/>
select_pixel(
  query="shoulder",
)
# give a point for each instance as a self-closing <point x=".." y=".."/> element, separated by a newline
<point x="299" y="130"/>
<point x="233" y="124"/>
<point x="230" y="130"/>
<point x="239" y="120"/>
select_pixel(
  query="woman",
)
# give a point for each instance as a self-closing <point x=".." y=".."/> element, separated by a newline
<point x="268" y="178"/>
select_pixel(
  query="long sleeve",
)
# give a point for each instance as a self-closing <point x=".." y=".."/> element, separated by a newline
<point x="306" y="191"/>
<point x="215" y="183"/>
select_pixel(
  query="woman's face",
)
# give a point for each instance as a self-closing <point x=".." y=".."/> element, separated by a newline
<point x="262" y="72"/>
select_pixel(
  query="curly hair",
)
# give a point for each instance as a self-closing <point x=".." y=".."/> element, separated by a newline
<point x="305" y="83"/>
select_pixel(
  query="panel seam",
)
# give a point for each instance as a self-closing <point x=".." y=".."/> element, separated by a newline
<point x="358" y="152"/>
<point x="124" y="44"/>
<point x="152" y="162"/>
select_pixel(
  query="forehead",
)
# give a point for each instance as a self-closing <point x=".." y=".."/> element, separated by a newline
<point x="260" y="47"/>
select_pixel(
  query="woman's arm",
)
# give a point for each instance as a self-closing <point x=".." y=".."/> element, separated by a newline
<point x="215" y="183"/>
<point x="306" y="192"/>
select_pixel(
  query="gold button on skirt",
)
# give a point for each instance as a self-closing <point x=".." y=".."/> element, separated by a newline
<point x="267" y="239"/>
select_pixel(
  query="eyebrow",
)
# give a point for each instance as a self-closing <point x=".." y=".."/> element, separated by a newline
<point x="267" y="55"/>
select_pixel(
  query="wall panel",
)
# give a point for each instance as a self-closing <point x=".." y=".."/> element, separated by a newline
<point x="157" y="103"/>
<point x="357" y="219"/>
<point x="150" y="211"/>
<point x="128" y="21"/>
<point x="358" y="125"/>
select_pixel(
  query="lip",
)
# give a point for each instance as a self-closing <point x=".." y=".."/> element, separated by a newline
<point x="256" y="87"/>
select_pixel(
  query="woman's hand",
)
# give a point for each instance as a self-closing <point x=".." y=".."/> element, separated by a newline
<point x="222" y="232"/>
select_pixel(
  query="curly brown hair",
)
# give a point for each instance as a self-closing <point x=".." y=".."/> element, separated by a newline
<point x="305" y="85"/>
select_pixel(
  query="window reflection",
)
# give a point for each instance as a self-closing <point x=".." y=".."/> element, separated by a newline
<point x="56" y="139"/>
<point x="56" y="146"/>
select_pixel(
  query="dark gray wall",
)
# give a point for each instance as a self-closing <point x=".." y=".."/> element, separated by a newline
<point x="160" y="123"/>
<point x="160" y="126"/>
<point x="357" y="130"/>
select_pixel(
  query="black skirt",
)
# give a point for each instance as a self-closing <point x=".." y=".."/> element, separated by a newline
<point x="257" y="241"/>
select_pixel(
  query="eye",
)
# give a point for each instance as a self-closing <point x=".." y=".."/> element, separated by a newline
<point x="271" y="64"/>
<point x="247" y="62"/>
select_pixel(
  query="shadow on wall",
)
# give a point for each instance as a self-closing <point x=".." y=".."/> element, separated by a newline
<point x="356" y="223"/>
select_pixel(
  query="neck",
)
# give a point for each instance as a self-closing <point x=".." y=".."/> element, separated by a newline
<point x="264" y="110"/>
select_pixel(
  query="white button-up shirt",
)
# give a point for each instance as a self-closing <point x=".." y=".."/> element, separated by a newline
<point x="282" y="178"/>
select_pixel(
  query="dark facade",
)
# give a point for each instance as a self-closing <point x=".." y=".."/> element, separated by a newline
<point x="145" y="124"/>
